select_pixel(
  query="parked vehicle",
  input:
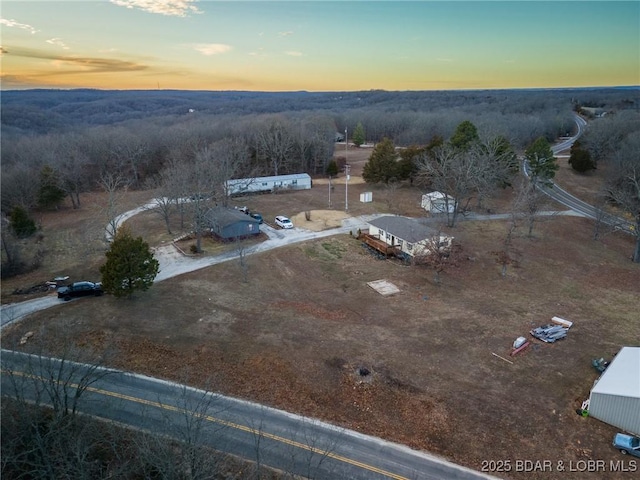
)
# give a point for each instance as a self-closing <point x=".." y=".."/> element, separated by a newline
<point x="257" y="216"/>
<point x="283" y="222"/>
<point x="627" y="444"/>
<point x="600" y="364"/>
<point x="80" y="289"/>
<point x="244" y="210"/>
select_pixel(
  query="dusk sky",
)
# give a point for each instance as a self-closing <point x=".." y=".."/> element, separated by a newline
<point x="318" y="46"/>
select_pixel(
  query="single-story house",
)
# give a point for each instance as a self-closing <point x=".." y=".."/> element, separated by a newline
<point x="438" y="202"/>
<point x="409" y="236"/>
<point x="242" y="186"/>
<point x="229" y="223"/>
<point x="615" y="398"/>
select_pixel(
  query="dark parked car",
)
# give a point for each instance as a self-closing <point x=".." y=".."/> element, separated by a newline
<point x="257" y="216"/>
<point x="627" y="444"/>
<point x="80" y="289"/>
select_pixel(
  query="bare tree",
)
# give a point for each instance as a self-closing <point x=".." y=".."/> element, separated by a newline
<point x="439" y="253"/>
<point x="241" y="250"/>
<point x="191" y="428"/>
<point x="459" y="174"/>
<point x="274" y="144"/>
<point x="228" y="158"/>
<point x="19" y="187"/>
<point x="311" y="448"/>
<point x="164" y="202"/>
<point x="73" y="166"/>
<point x="528" y="202"/>
<point x="130" y="152"/>
<point x="623" y="186"/>
<point x="115" y="185"/>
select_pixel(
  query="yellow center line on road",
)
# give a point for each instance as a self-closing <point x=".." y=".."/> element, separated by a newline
<point x="226" y="423"/>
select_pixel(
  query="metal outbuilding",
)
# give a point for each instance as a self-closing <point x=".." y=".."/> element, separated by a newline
<point x="615" y="398"/>
<point x="438" y="202"/>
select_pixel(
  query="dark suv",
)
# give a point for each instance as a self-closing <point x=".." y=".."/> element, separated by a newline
<point x="80" y="289"/>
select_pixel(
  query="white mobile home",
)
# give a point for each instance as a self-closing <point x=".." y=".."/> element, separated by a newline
<point x="244" y="186"/>
<point x="407" y="235"/>
<point x="615" y="398"/>
<point x="438" y="202"/>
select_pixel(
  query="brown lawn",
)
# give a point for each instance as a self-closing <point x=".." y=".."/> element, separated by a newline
<point x="295" y="335"/>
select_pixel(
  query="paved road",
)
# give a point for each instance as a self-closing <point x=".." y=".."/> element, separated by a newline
<point x="574" y="203"/>
<point x="293" y="443"/>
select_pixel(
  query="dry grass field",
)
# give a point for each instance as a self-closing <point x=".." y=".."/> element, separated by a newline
<point x="297" y="334"/>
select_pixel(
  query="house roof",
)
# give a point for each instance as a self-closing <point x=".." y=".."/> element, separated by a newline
<point x="405" y="228"/>
<point x="224" y="216"/>
<point x="622" y="376"/>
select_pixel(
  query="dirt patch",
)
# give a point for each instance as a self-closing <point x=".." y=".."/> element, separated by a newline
<point x="317" y="220"/>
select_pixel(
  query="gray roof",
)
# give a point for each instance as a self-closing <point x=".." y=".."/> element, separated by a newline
<point x="224" y="216"/>
<point x="405" y="228"/>
<point x="291" y="176"/>
<point x="622" y="376"/>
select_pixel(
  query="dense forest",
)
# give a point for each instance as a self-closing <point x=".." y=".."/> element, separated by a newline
<point x="60" y="144"/>
<point x="141" y="132"/>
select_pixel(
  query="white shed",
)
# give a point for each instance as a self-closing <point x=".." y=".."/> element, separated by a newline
<point x="438" y="202"/>
<point x="615" y="398"/>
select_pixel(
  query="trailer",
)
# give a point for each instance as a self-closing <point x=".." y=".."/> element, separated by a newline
<point x="246" y="186"/>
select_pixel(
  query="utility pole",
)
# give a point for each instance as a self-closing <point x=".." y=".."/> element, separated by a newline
<point x="347" y="168"/>
<point x="329" y="191"/>
<point x="346" y="171"/>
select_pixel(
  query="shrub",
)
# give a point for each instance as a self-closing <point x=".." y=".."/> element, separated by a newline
<point x="21" y="223"/>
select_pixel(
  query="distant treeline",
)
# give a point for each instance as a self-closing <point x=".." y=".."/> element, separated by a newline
<point x="72" y="138"/>
<point x="406" y="113"/>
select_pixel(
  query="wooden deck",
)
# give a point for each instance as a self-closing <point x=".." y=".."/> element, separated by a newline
<point x="378" y="245"/>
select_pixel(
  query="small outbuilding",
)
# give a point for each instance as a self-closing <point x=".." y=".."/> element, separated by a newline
<point x="229" y="223"/>
<point x="438" y="202"/>
<point x="408" y="236"/>
<point x="244" y="186"/>
<point x="615" y="398"/>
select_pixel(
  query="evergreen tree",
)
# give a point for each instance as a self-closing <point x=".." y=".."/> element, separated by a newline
<point x="542" y="163"/>
<point x="50" y="195"/>
<point x="465" y="135"/>
<point x="130" y="265"/>
<point x="21" y="223"/>
<point x="580" y="159"/>
<point x="407" y="168"/>
<point x="332" y="168"/>
<point x="358" y="136"/>
<point x="382" y="165"/>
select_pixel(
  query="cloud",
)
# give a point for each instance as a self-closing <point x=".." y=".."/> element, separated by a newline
<point x="81" y="64"/>
<point x="58" y="42"/>
<point x="259" y="53"/>
<point x="294" y="54"/>
<point x="285" y="34"/>
<point x="13" y="23"/>
<point x="176" y="8"/>
<point x="211" y="48"/>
